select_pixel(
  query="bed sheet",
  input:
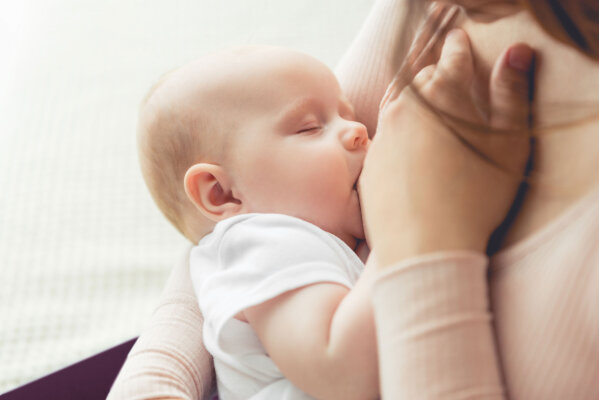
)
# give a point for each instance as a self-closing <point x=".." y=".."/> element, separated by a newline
<point x="84" y="253"/>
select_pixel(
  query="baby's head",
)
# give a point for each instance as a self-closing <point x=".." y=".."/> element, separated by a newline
<point x="254" y="129"/>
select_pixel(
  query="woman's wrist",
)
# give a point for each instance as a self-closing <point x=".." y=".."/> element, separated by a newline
<point x="392" y="249"/>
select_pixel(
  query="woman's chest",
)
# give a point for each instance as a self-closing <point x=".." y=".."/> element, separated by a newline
<point x="544" y="293"/>
<point x="547" y="324"/>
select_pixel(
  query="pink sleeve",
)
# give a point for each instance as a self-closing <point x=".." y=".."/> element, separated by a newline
<point x="365" y="70"/>
<point x="434" y="328"/>
<point x="169" y="359"/>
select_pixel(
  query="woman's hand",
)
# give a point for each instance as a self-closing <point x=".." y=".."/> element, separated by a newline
<point x="434" y="182"/>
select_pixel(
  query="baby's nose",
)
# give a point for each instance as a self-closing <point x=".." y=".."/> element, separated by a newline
<point x="355" y="136"/>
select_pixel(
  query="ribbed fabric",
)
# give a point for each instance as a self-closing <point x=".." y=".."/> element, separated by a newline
<point x="168" y="360"/>
<point x="545" y="298"/>
<point x="365" y="71"/>
<point x="437" y="339"/>
<point x="432" y="317"/>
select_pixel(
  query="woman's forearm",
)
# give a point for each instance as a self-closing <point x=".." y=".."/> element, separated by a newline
<point x="434" y="329"/>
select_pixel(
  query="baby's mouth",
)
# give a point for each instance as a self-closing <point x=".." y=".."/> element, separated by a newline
<point x="355" y="187"/>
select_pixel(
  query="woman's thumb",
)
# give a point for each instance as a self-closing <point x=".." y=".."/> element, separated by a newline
<point x="511" y="88"/>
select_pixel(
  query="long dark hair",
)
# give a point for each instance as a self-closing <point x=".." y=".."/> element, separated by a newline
<point x="574" y="22"/>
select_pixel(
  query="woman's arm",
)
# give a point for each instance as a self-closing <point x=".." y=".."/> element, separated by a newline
<point x="169" y="359"/>
<point x="434" y="329"/>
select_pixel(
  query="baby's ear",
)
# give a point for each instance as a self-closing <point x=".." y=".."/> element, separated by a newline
<point x="209" y="188"/>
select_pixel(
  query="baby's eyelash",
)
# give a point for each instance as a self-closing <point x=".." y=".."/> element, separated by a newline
<point x="312" y="128"/>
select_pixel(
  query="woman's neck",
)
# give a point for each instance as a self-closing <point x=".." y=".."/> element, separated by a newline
<point x="565" y="113"/>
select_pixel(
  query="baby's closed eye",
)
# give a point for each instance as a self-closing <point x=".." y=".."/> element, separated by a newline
<point x="310" y="129"/>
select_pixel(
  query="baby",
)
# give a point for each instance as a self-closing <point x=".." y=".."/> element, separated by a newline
<point x="254" y="153"/>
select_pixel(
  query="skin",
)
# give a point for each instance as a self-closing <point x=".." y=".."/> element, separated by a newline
<point x="296" y="148"/>
<point x="565" y="97"/>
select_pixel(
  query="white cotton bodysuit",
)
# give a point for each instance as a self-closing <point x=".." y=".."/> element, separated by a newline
<point x="248" y="260"/>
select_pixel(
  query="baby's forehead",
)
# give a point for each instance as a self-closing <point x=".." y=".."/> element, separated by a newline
<point x="244" y="75"/>
<point x="242" y="85"/>
<point x="233" y="68"/>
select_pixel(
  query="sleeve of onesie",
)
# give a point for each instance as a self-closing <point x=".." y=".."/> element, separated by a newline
<point x="434" y="329"/>
<point x="263" y="256"/>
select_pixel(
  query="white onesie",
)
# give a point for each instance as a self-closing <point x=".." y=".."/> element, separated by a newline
<point x="247" y="260"/>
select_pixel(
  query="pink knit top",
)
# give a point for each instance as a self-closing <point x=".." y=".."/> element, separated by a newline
<point x="532" y="332"/>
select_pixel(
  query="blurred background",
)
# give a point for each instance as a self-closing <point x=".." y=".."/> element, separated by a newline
<point x="84" y="253"/>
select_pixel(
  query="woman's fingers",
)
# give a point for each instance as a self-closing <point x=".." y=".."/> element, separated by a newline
<point x="449" y="82"/>
<point x="424" y="76"/>
<point x="429" y="39"/>
<point x="445" y="84"/>
<point x="424" y="50"/>
<point x="455" y="65"/>
<point x="510" y="98"/>
<point x="511" y="88"/>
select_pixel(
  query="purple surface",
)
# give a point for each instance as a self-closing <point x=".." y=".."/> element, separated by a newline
<point x="89" y="379"/>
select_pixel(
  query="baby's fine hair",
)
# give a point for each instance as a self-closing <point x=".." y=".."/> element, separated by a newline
<point x="171" y="138"/>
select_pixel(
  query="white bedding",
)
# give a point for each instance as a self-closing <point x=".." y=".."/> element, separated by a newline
<point x="84" y="253"/>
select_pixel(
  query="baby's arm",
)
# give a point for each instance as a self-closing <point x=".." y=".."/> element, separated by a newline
<point x="322" y="338"/>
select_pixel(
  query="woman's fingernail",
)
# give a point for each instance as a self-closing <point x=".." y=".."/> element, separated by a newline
<point x="520" y="57"/>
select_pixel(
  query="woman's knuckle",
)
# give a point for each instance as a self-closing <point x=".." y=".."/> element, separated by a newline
<point x="424" y="75"/>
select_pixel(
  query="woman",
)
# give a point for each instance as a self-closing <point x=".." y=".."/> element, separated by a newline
<point x="436" y="336"/>
<point x="450" y="286"/>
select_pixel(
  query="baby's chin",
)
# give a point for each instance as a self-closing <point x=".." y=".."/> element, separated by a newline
<point x="358" y="233"/>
